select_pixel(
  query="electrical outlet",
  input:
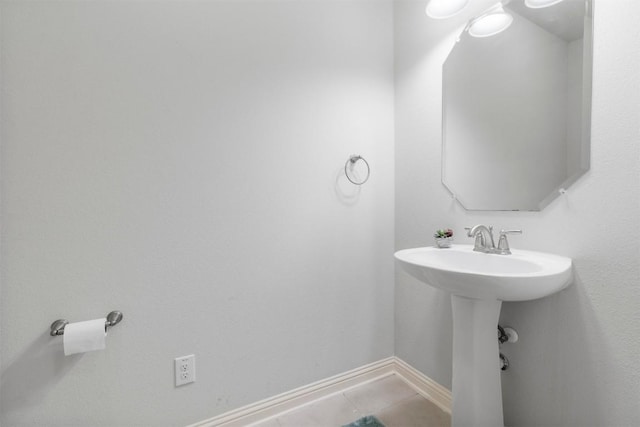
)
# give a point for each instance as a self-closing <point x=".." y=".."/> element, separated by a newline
<point x="185" y="369"/>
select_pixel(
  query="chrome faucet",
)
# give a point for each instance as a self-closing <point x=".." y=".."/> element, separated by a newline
<point x="484" y="239"/>
<point x="483" y="236"/>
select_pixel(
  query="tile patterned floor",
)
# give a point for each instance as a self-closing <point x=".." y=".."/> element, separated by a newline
<point x="390" y="399"/>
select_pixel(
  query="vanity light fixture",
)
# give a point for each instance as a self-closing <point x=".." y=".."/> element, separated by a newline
<point x="441" y="9"/>
<point x="537" y="4"/>
<point x="491" y="23"/>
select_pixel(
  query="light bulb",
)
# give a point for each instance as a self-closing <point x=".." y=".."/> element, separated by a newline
<point x="440" y="9"/>
<point x="537" y="4"/>
<point x="491" y="24"/>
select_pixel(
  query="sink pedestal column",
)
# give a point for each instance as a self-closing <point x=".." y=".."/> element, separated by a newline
<point x="476" y="387"/>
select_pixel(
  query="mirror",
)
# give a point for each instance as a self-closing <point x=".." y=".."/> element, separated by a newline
<point x="517" y="107"/>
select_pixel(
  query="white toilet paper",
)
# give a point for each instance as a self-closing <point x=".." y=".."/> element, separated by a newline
<point x="80" y="337"/>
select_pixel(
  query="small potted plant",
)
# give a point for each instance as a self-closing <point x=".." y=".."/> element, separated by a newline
<point x="444" y="238"/>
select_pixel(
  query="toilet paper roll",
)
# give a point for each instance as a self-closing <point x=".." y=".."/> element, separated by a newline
<point x="85" y="336"/>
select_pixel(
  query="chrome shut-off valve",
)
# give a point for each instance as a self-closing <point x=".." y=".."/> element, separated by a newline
<point x="506" y="335"/>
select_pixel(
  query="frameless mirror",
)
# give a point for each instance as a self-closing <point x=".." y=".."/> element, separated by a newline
<point x="517" y="107"/>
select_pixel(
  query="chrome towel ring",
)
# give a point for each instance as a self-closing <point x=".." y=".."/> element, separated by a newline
<point x="352" y="161"/>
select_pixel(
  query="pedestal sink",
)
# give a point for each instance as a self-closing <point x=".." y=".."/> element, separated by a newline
<point x="478" y="283"/>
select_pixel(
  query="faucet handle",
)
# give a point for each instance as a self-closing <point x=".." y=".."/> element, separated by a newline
<point x="502" y="232"/>
<point x="503" y="243"/>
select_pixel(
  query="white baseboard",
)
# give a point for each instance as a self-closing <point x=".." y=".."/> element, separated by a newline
<point x="428" y="388"/>
<point x="285" y="402"/>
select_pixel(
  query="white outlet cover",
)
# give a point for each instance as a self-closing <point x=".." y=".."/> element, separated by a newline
<point x="185" y="369"/>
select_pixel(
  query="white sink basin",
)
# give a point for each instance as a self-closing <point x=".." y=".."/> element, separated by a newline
<point x="521" y="276"/>
<point x="478" y="283"/>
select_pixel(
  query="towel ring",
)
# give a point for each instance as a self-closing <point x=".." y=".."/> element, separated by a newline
<point x="353" y="160"/>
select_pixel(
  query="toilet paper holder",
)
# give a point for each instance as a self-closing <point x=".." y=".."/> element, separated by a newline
<point x="113" y="318"/>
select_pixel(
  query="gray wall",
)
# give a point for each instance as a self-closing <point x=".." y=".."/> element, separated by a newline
<point x="181" y="161"/>
<point x="577" y="360"/>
